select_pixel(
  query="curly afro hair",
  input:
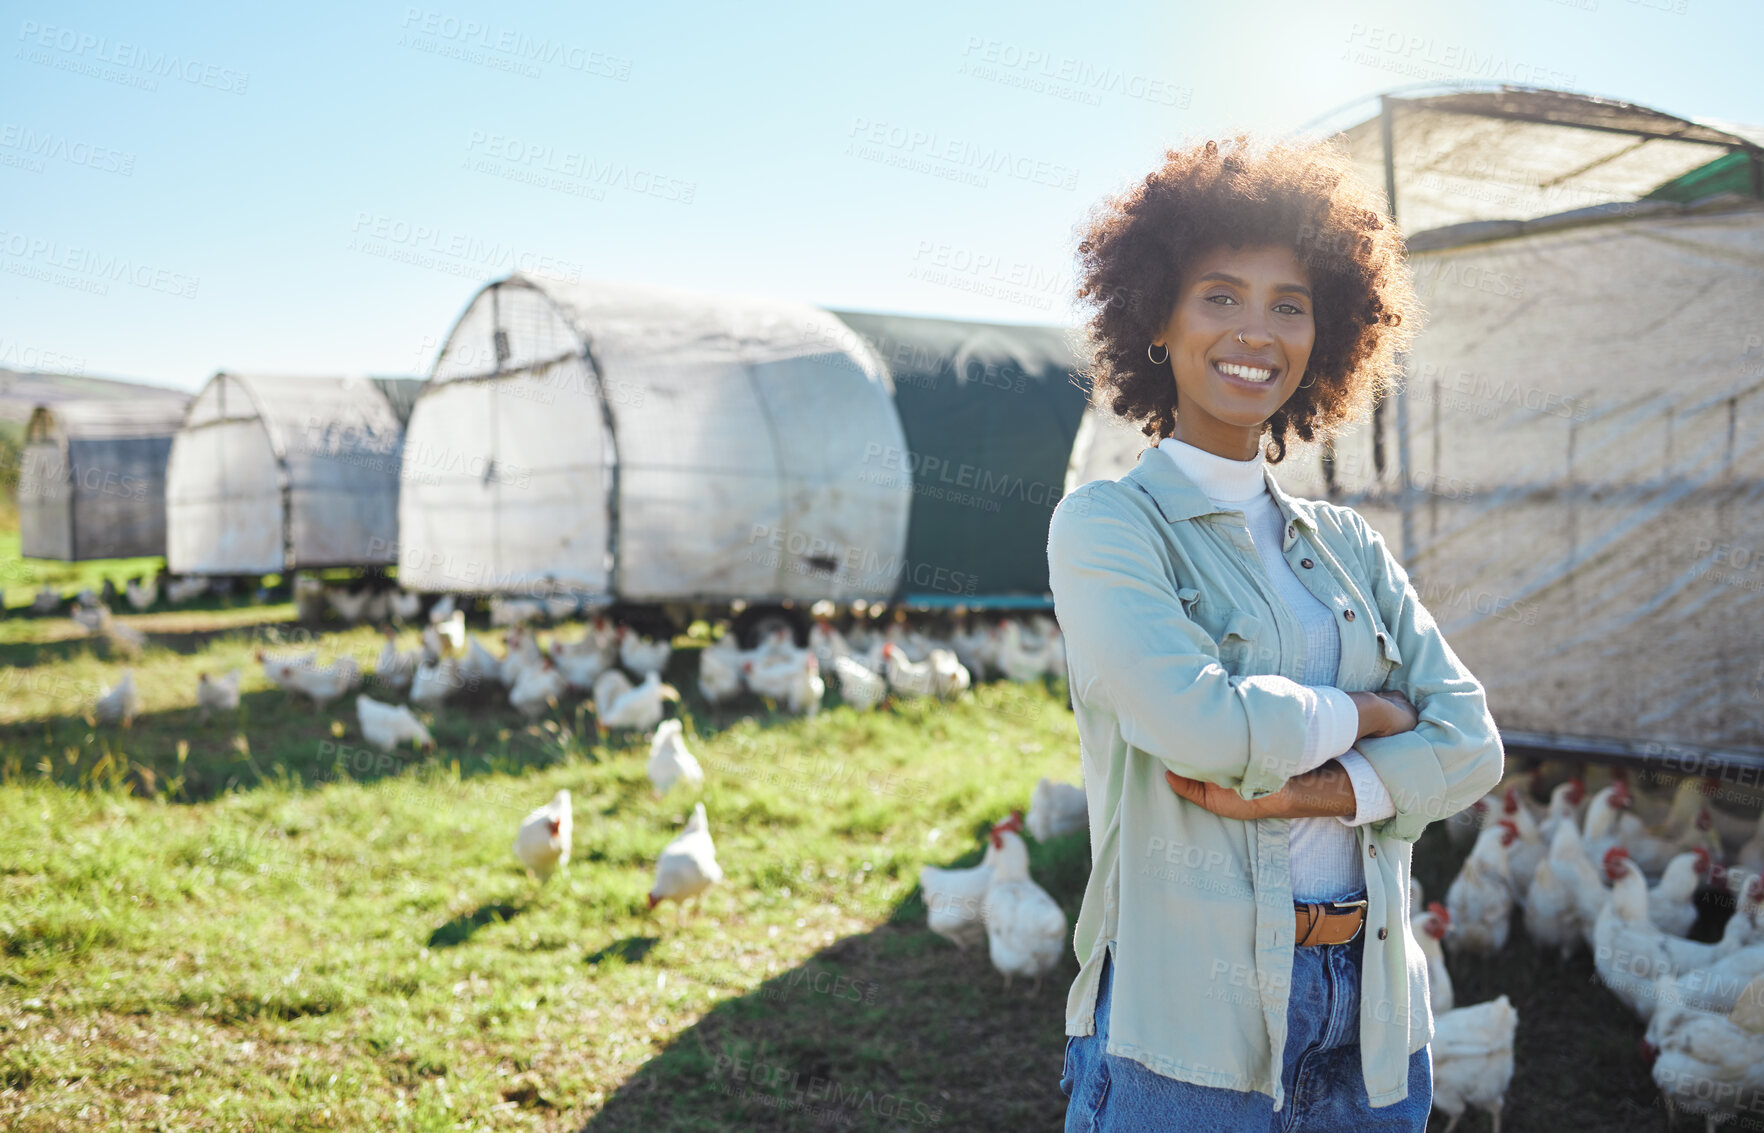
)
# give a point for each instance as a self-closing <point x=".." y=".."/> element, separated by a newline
<point x="1136" y="249"/>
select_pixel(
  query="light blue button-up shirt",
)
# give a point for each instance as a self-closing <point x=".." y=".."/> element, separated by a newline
<point x="1180" y="656"/>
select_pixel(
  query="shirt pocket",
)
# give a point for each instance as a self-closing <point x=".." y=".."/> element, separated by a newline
<point x="1239" y="641"/>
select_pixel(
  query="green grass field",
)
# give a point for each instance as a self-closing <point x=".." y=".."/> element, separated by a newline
<point x="252" y="923"/>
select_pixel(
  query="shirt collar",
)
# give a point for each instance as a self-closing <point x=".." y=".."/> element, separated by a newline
<point x="1179" y="498"/>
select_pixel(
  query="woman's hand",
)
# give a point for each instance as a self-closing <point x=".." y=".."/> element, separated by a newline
<point x="1222" y="801"/>
<point x="1384" y="713"/>
<point x="1321" y="792"/>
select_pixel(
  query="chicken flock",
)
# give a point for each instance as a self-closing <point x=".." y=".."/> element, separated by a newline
<point x="1617" y="871"/>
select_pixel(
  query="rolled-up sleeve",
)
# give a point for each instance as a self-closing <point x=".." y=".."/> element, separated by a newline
<point x="1133" y="651"/>
<point x="1453" y="756"/>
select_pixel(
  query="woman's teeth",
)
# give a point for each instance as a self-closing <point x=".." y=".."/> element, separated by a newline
<point x="1247" y="373"/>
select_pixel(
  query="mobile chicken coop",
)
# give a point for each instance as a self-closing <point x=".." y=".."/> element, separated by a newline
<point x="642" y="447"/>
<point x="989" y="412"/>
<point x="92" y="477"/>
<point x="279" y="473"/>
<point x="1574" y="470"/>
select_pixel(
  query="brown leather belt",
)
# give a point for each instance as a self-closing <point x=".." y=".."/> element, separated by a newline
<point x="1328" y="922"/>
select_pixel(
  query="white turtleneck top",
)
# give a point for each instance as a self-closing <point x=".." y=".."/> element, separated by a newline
<point x="1324" y="851"/>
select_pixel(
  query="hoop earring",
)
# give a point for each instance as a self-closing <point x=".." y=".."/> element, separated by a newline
<point x="1309" y="384"/>
<point x="1157" y="361"/>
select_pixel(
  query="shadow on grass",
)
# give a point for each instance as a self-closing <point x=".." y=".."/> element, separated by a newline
<point x="630" y="950"/>
<point x="462" y="928"/>
<point x="890" y="1029"/>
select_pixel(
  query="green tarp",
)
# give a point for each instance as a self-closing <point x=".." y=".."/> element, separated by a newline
<point x="989" y="412"/>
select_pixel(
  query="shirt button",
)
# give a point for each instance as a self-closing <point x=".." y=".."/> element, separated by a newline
<point x="1381" y="934"/>
<point x="1306" y="563"/>
<point x="1348" y="614"/>
<point x="1372" y="851"/>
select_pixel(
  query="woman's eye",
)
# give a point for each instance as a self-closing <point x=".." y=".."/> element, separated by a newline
<point x="1290" y="309"/>
<point x="1226" y="298"/>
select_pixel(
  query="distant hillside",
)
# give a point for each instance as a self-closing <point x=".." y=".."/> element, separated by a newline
<point x="23" y="390"/>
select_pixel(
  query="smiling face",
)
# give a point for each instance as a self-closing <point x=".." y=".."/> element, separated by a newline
<point x="1228" y="387"/>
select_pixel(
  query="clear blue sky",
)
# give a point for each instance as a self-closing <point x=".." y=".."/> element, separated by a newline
<point x="321" y="187"/>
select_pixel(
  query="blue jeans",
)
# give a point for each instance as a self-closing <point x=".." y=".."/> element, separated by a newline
<point x="1322" y="1078"/>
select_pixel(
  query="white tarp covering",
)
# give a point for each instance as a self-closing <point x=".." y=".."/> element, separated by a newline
<point x="279" y="473"/>
<point x="1585" y="458"/>
<point x="652" y="445"/>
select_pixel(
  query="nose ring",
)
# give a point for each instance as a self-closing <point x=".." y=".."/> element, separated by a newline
<point x="1240" y="338"/>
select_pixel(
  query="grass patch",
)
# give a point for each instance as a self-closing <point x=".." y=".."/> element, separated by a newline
<point x="276" y="931"/>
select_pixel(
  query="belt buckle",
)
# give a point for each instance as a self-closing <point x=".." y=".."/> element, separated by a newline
<point x="1362" y="903"/>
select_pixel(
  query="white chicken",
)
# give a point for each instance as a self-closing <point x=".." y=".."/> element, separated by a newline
<point x="579" y="669"/>
<point x="1566" y="895"/>
<point x="640" y="708"/>
<point x="118" y="703"/>
<point x="405" y="607"/>
<point x="827" y="644"/>
<point x="641" y="655"/>
<point x="509" y="612"/>
<point x="451" y="629"/>
<point x="1057" y="808"/>
<point x="1025" y="928"/>
<point x="181" y="590"/>
<point x="1670" y="903"/>
<point x="1707" y="1063"/>
<point x="670" y="762"/>
<point x="538" y="688"/>
<point x="1599" y="830"/>
<point x="543" y="842"/>
<point x="279" y="669"/>
<point x="977" y="649"/>
<point x="433" y="683"/>
<point x="387" y="725"/>
<point x="321" y="686"/>
<point x="955" y="899"/>
<point x="444" y="609"/>
<point x="1631" y="954"/>
<point x="858" y="686"/>
<point x="1651" y="852"/>
<point x="141" y="594"/>
<point x="1429" y="927"/>
<point x="1020" y="660"/>
<point x="719" y="670"/>
<point x="1473" y="1059"/>
<point x="216" y="694"/>
<point x="688" y="866"/>
<point x="1528" y="847"/>
<point x="351" y="607"/>
<point x="1565" y="799"/>
<point x="46" y="601"/>
<point x="1480" y="900"/>
<point x="394" y="669"/>
<point x="520" y="651"/>
<point x="479" y="668"/>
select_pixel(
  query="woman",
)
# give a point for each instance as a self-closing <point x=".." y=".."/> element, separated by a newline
<point x="1268" y="716"/>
